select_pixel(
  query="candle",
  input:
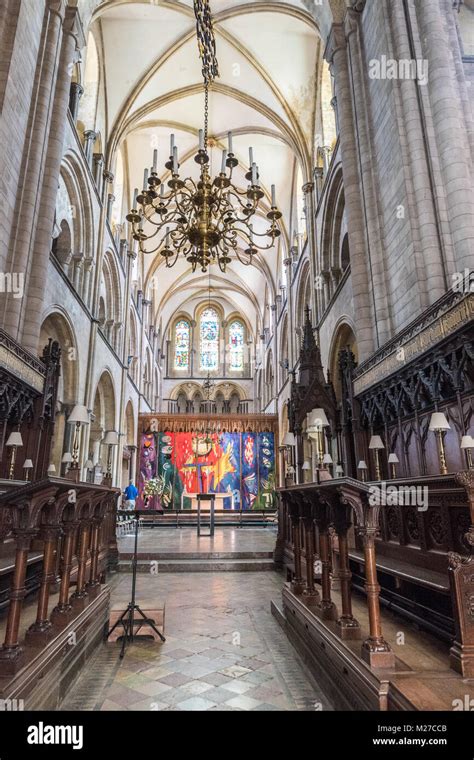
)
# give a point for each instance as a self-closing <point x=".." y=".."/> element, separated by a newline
<point x="162" y="190"/>
<point x="273" y="196"/>
<point x="145" y="179"/>
<point x="171" y="145"/>
<point x="135" y="194"/>
<point x="167" y="237"/>
<point x="201" y="139"/>
<point x="175" y="160"/>
<point x="250" y="156"/>
<point x="155" y="160"/>
<point x="254" y="173"/>
<point x="224" y="158"/>
<point x="229" y="141"/>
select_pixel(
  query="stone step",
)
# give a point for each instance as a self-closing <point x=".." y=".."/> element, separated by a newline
<point x="199" y="565"/>
<point x="171" y="555"/>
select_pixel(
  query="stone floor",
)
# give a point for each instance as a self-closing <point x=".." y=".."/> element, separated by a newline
<point x="223" y="650"/>
<point x="178" y="540"/>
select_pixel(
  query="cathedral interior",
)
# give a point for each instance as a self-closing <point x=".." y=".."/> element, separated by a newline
<point x="273" y="440"/>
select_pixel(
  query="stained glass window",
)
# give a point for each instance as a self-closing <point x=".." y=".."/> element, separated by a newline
<point x="209" y="340"/>
<point x="181" y="345"/>
<point x="236" y="345"/>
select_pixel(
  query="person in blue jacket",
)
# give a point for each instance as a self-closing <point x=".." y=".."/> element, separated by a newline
<point x="130" y="493"/>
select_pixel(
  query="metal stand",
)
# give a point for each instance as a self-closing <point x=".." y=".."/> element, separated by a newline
<point x="206" y="497"/>
<point x="127" y="619"/>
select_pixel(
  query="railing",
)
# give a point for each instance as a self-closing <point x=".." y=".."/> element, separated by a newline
<point x="73" y="525"/>
<point x="315" y="522"/>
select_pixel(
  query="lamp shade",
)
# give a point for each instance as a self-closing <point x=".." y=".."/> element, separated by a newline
<point x="89" y="465"/>
<point x="362" y="465"/>
<point x="327" y="459"/>
<point x="376" y="442"/>
<point x="27" y="464"/>
<point x="339" y="470"/>
<point x="51" y="469"/>
<point x="317" y="419"/>
<point x="438" y="421"/>
<point x="79" y="415"/>
<point x="111" y="438"/>
<point x="306" y="465"/>
<point x="467" y="442"/>
<point x="393" y="459"/>
<point x="289" y="439"/>
<point x="67" y="458"/>
<point x="14" y="439"/>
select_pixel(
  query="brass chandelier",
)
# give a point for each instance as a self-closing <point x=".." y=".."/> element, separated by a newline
<point x="203" y="221"/>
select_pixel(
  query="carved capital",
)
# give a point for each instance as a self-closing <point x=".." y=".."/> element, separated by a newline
<point x="336" y="42"/>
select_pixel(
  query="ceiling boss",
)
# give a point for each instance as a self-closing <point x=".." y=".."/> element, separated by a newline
<point x="205" y="221"/>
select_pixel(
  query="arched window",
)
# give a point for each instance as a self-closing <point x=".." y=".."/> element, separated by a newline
<point x="236" y="345"/>
<point x="209" y="340"/>
<point x="181" y="345"/>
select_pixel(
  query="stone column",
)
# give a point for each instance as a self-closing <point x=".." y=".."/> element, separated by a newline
<point x="31" y="244"/>
<point x="336" y="55"/>
<point x="89" y="140"/>
<point x="11" y="651"/>
<point x="98" y="171"/>
<point x="449" y="124"/>
<point x="40" y="631"/>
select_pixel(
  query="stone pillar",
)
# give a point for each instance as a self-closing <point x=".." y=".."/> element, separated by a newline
<point x="110" y="203"/>
<point x="310" y="206"/>
<point x="40" y="630"/>
<point x="31" y="245"/>
<point x="11" y="651"/>
<point x="98" y="171"/>
<point x="89" y="140"/>
<point x="449" y="123"/>
<point x="75" y="94"/>
<point x="336" y="55"/>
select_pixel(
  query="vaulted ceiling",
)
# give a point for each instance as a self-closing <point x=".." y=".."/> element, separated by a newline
<point x="269" y="57"/>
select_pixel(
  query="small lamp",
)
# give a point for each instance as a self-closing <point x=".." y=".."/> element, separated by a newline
<point x="339" y="471"/>
<point x="362" y="466"/>
<point x="467" y="443"/>
<point x="79" y="416"/>
<point x="376" y="444"/>
<point x="27" y="466"/>
<point x="393" y="461"/>
<point x="289" y="439"/>
<point x="14" y="441"/>
<point x="89" y="465"/>
<point x="439" y="424"/>
<point x="111" y="439"/>
<point x="51" y="470"/>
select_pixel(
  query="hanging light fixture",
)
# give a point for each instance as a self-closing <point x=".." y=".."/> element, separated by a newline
<point x="203" y="221"/>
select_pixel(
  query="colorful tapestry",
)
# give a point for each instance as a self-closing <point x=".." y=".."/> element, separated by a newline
<point x="173" y="465"/>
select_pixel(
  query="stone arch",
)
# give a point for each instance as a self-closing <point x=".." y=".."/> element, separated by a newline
<point x="343" y="337"/>
<point x="57" y="326"/>
<point x="104" y="417"/>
